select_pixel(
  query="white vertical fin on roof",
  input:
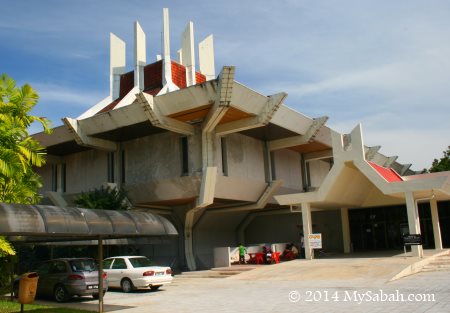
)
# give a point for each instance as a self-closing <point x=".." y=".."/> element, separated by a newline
<point x="206" y="57"/>
<point x="140" y="56"/>
<point x="180" y="56"/>
<point x="168" y="84"/>
<point x="116" y="65"/>
<point x="188" y="58"/>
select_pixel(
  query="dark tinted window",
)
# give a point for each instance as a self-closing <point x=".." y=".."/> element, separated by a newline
<point x="140" y="262"/>
<point x="119" y="264"/>
<point x="107" y="263"/>
<point x="85" y="265"/>
<point x="58" y="267"/>
<point x="43" y="268"/>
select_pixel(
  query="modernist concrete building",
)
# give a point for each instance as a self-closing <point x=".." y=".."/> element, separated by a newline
<point x="226" y="163"/>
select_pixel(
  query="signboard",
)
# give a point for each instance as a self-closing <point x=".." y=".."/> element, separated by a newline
<point x="315" y="241"/>
<point x="412" y="240"/>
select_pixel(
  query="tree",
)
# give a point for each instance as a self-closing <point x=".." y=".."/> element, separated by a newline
<point x="104" y="198"/>
<point x="19" y="152"/>
<point x="443" y="164"/>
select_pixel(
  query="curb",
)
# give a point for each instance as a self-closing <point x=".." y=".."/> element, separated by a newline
<point x="417" y="266"/>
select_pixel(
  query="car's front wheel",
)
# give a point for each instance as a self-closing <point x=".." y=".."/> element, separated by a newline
<point x="60" y="294"/>
<point x="126" y="285"/>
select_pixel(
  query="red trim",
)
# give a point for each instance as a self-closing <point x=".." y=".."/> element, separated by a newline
<point x="388" y="173"/>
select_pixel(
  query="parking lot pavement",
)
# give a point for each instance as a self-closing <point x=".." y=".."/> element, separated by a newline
<point x="423" y="292"/>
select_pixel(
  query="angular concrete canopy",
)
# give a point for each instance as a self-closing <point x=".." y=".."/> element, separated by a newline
<point x="355" y="182"/>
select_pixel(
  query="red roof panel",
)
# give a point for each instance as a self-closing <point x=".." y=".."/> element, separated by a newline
<point x="388" y="174"/>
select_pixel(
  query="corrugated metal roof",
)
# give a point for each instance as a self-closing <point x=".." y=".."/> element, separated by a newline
<point x="56" y="223"/>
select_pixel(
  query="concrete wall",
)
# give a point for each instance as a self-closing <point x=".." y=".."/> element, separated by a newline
<point x="245" y="157"/>
<point x="152" y="158"/>
<point x="288" y="168"/>
<point x="318" y="170"/>
<point x="283" y="228"/>
<point x="214" y="230"/>
<point x="85" y="170"/>
<point x="46" y="174"/>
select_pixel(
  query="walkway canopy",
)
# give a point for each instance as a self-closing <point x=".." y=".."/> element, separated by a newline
<point x="50" y="223"/>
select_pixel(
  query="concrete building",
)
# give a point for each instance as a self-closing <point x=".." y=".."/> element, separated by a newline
<point x="224" y="163"/>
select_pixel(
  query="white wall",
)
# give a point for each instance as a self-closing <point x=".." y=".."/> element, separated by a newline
<point x="85" y="170"/>
<point x="153" y="158"/>
<point x="245" y="157"/>
<point x="288" y="168"/>
<point x="318" y="170"/>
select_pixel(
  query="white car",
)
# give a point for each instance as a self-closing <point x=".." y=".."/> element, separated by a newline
<point x="133" y="272"/>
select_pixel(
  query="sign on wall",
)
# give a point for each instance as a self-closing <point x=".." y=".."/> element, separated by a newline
<point x="315" y="241"/>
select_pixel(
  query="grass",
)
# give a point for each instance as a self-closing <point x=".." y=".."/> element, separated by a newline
<point x="14" y="307"/>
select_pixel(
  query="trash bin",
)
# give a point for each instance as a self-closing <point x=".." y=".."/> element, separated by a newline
<point x="27" y="287"/>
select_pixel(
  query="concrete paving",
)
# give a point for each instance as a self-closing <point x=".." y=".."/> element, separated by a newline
<point x="325" y="285"/>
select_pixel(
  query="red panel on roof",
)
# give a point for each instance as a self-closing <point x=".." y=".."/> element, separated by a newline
<point x="126" y="84"/>
<point x="152" y="81"/>
<point x="388" y="173"/>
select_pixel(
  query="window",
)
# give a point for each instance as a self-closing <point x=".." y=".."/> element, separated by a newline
<point x="272" y="165"/>
<point x="122" y="167"/>
<point x="184" y="156"/>
<point x="107" y="263"/>
<point x="54" y="177"/>
<point x="119" y="264"/>
<point x="223" y="145"/>
<point x="111" y="167"/>
<point x="63" y="177"/>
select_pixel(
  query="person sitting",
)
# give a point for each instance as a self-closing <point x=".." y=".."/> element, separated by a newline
<point x="294" y="251"/>
<point x="267" y="255"/>
<point x="290" y="252"/>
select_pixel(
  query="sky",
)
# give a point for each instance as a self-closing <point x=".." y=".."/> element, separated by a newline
<point x="382" y="63"/>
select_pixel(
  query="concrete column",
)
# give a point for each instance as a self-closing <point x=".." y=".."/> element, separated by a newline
<point x="436" y="226"/>
<point x="413" y="222"/>
<point x="307" y="229"/>
<point x="345" y="230"/>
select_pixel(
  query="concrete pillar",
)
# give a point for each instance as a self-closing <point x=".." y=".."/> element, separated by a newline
<point x="307" y="229"/>
<point x="345" y="230"/>
<point x="436" y="226"/>
<point x="413" y="222"/>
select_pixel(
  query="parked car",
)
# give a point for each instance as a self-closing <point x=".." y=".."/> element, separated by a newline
<point x="133" y="272"/>
<point x="65" y="278"/>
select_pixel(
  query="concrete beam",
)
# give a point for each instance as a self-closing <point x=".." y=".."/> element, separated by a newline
<point x="299" y="140"/>
<point x="273" y="104"/>
<point x="270" y="190"/>
<point x="371" y="152"/>
<point x="206" y="197"/>
<point x="223" y="99"/>
<point x="390" y="161"/>
<point x="152" y="112"/>
<point x="87" y="141"/>
<point x="413" y="221"/>
<point x="57" y="199"/>
<point x="405" y="168"/>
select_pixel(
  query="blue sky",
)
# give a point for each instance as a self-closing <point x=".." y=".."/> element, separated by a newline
<point x="385" y="64"/>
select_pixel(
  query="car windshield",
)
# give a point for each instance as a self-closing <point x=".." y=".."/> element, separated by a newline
<point x="140" y="262"/>
<point x="83" y="265"/>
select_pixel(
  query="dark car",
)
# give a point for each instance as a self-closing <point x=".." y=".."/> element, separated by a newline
<point x="65" y="278"/>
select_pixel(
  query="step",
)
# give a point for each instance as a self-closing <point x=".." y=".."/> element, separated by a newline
<point x="431" y="269"/>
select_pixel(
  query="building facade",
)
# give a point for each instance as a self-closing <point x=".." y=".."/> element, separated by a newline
<point x="224" y="163"/>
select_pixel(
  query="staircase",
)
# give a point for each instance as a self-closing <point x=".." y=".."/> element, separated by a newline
<point x="219" y="272"/>
<point x="441" y="263"/>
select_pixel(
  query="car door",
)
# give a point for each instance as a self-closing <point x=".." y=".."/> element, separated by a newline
<point x="117" y="272"/>
<point x="42" y="271"/>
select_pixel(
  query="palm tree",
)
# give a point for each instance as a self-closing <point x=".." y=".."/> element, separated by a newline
<point x="19" y="152"/>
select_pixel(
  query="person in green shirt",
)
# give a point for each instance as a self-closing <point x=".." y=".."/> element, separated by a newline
<point x="242" y="252"/>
